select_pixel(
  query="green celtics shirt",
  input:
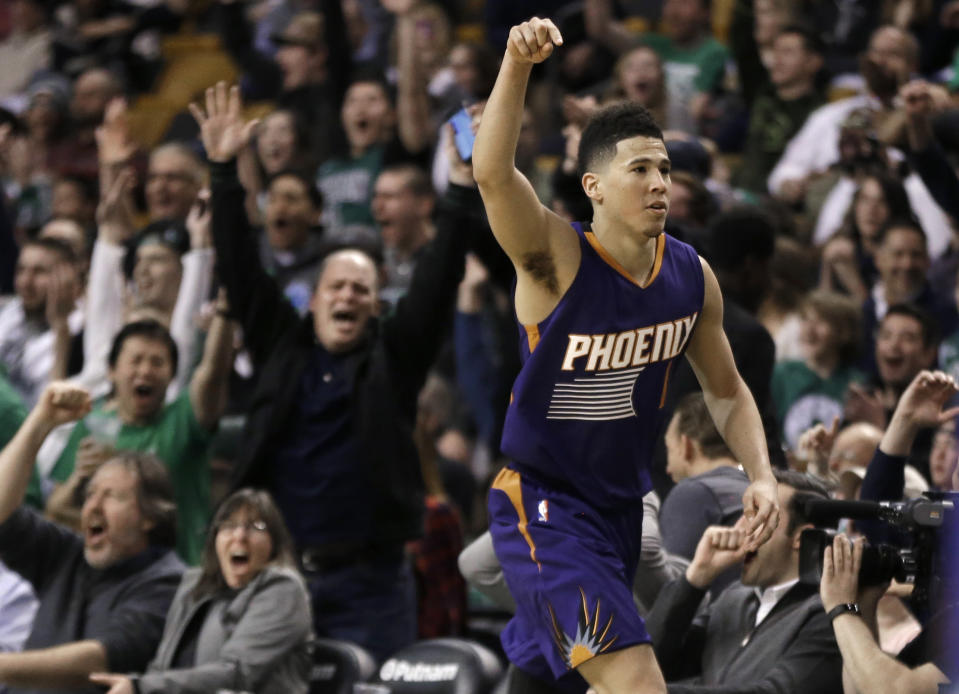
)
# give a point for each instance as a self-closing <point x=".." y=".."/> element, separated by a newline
<point x="804" y="399"/>
<point x="176" y="438"/>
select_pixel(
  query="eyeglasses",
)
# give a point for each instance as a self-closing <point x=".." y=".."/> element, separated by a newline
<point x="256" y="526"/>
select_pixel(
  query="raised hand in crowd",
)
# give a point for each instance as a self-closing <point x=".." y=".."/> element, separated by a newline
<point x="719" y="548"/>
<point x="115" y="215"/>
<point x="59" y="403"/>
<point x="920" y="406"/>
<point x="115" y="146"/>
<point x="920" y="102"/>
<point x="63" y="290"/>
<point x="864" y="404"/>
<point x="198" y="221"/>
<point x="222" y="129"/>
<point x="815" y="446"/>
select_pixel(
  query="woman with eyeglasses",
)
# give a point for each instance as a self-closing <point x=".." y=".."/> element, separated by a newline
<point x="241" y="620"/>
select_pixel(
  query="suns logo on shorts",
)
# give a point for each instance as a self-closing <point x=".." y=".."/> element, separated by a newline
<point x="589" y="640"/>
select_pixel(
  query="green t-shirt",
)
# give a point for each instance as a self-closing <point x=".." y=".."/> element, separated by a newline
<point x="347" y="187"/>
<point x="772" y="124"/>
<point x="176" y="438"/>
<point x="12" y="410"/>
<point x="688" y="70"/>
<point x="803" y="399"/>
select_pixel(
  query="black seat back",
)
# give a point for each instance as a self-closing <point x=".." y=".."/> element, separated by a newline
<point x="338" y="665"/>
<point x="441" y="666"/>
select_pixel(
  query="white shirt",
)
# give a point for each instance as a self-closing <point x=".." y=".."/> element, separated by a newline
<point x="27" y="349"/>
<point x="932" y="219"/>
<point x="816" y="146"/>
<point x="769" y="597"/>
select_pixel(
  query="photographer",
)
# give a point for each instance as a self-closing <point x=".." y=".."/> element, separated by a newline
<point x="924" y="664"/>
<point x="926" y="661"/>
<point x="920" y="406"/>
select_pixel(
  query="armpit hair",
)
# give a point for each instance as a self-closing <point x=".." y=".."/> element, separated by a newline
<point x="542" y="269"/>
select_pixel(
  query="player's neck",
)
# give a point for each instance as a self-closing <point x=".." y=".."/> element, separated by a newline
<point x="636" y="253"/>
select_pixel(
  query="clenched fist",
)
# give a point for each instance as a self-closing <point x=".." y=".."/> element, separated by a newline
<point x="62" y="402"/>
<point x="533" y="41"/>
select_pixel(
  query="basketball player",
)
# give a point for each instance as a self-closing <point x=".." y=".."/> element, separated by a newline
<point x="605" y="311"/>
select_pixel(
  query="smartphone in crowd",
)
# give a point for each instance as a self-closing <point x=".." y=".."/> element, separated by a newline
<point x="463" y="133"/>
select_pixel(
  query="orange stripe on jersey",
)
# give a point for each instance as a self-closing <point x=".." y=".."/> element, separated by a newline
<point x="658" y="263"/>
<point x="532" y="336"/>
<point x="662" y="398"/>
<point x="611" y="261"/>
<point x="508" y="482"/>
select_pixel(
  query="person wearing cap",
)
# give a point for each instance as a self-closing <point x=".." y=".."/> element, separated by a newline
<point x="307" y="74"/>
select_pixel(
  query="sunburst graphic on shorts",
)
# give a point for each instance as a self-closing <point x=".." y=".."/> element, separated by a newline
<point x="589" y="641"/>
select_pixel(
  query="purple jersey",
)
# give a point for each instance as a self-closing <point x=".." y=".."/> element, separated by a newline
<point x="587" y="405"/>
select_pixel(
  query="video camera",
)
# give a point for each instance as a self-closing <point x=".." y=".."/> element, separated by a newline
<point x="928" y="524"/>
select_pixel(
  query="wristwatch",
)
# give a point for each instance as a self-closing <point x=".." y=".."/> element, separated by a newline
<point x="844" y="608"/>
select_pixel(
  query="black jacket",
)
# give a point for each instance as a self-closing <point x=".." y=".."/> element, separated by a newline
<point x="391" y="365"/>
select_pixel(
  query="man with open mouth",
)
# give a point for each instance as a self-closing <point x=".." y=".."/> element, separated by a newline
<point x="135" y="417"/>
<point x="329" y="433"/>
<point x="103" y="593"/>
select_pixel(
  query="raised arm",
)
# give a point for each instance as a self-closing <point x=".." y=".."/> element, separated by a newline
<point x="210" y="385"/>
<point x="412" y="97"/>
<point x="194" y="287"/>
<point x="59" y="403"/>
<point x="542" y="247"/>
<point x="255" y="299"/>
<point x="734" y="411"/>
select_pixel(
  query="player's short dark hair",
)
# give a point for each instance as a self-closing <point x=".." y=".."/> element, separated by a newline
<point x="693" y="420"/>
<point x="609" y="126"/>
<point x="314" y="193"/>
<point x="927" y="322"/>
<point x="147" y="329"/>
<point x="806" y="487"/>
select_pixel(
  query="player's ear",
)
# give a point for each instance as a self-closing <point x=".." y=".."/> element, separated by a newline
<point x="687" y="446"/>
<point x="592" y="187"/>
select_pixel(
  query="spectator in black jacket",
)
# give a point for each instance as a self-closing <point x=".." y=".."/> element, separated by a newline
<point x="330" y="430"/>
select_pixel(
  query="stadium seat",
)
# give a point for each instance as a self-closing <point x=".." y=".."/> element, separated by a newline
<point x="441" y="666"/>
<point x="338" y="665"/>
